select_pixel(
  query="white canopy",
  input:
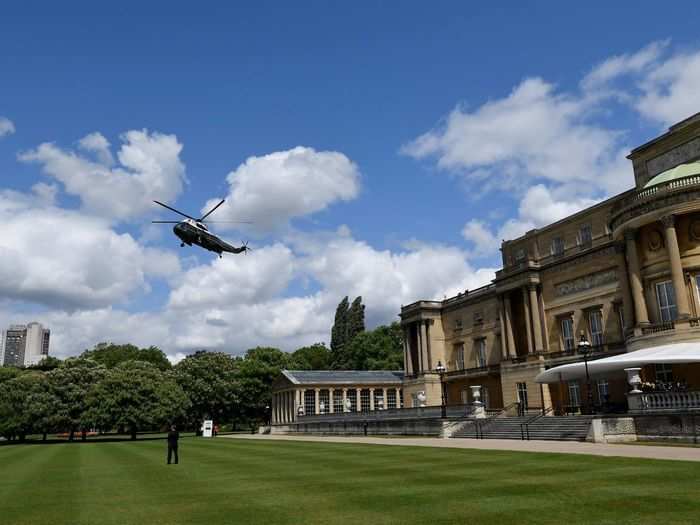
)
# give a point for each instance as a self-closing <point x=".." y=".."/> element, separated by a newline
<point x="673" y="353"/>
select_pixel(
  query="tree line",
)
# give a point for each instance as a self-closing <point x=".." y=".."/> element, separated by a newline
<point x="126" y="389"/>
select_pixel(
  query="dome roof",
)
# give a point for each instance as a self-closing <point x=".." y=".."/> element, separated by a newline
<point x="679" y="172"/>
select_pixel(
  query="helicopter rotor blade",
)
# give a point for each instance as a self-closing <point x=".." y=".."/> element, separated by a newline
<point x="212" y="210"/>
<point x="166" y="222"/>
<point x="176" y="211"/>
<point x="228" y="222"/>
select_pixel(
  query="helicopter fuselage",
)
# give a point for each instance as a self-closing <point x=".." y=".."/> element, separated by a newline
<point x="192" y="232"/>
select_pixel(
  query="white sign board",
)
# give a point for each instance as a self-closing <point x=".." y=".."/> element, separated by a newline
<point x="207" y="428"/>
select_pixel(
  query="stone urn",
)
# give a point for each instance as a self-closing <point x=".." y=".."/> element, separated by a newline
<point x="348" y="405"/>
<point x="476" y="394"/>
<point x="634" y="380"/>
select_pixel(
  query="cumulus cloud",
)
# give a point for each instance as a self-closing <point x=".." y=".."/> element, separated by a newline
<point x="68" y="260"/>
<point x="7" y="127"/>
<point x="273" y="189"/>
<point x="149" y="168"/>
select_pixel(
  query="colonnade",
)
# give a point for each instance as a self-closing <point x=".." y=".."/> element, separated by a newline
<point x="533" y="312"/>
<point x="630" y="269"/>
<point x="425" y="361"/>
<point x="286" y="404"/>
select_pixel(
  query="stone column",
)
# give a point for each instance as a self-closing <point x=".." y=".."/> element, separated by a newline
<point x="640" y="304"/>
<point x="407" y="364"/>
<point x="424" y="347"/>
<point x="398" y="398"/>
<point x="317" y="395"/>
<point x="535" y="312"/>
<point x="674" y="256"/>
<point x="386" y="399"/>
<point x="345" y="399"/>
<point x="627" y="301"/>
<point x="504" y="339"/>
<point x="288" y="405"/>
<point x="358" y="400"/>
<point x="528" y="319"/>
<point x="509" y="327"/>
<point x="543" y="322"/>
<point x="330" y="401"/>
<point x="273" y="416"/>
<point x="371" y="399"/>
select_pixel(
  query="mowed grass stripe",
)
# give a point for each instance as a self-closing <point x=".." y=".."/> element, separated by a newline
<point x="232" y="481"/>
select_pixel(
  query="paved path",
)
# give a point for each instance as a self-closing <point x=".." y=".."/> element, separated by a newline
<point x="565" y="447"/>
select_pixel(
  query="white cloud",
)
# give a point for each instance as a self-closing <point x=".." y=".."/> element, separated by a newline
<point x="7" y="127"/>
<point x="149" y="168"/>
<point x="477" y="232"/>
<point x="275" y="188"/>
<point x="97" y="143"/>
<point x="670" y="90"/>
<point x="625" y="64"/>
<point x="261" y="276"/>
<point x="68" y="260"/>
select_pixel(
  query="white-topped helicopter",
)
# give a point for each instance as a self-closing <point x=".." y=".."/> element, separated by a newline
<point x="193" y="231"/>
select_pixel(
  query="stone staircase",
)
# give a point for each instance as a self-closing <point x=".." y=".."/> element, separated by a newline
<point x="556" y="428"/>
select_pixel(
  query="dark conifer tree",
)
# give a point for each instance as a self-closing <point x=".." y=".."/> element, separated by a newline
<point x="356" y="319"/>
<point x="339" y="332"/>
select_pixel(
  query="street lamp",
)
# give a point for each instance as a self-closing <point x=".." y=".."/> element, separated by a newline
<point x="584" y="347"/>
<point x="441" y="369"/>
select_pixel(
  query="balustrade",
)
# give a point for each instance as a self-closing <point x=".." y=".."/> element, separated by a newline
<point x="664" y="401"/>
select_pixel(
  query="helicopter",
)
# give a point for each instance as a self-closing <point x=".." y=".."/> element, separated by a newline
<point x="193" y="231"/>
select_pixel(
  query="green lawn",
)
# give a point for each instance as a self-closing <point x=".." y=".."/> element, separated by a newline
<point x="236" y="481"/>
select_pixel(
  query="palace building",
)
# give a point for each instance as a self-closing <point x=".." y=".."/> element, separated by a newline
<point x="622" y="276"/>
<point x="624" y="273"/>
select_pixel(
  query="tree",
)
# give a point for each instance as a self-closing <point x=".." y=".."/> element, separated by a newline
<point x="47" y="363"/>
<point x="136" y="395"/>
<point x="9" y="372"/>
<point x="356" y="319"/>
<point x="378" y="349"/>
<point x="71" y="383"/>
<point x="110" y="355"/>
<point x="314" y="357"/>
<point x="209" y="379"/>
<point x="26" y="406"/>
<point x="339" y="331"/>
<point x="257" y="371"/>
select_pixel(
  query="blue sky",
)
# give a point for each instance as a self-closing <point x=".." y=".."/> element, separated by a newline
<point x="382" y="150"/>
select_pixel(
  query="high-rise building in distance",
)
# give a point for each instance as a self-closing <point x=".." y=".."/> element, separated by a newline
<point x="24" y="345"/>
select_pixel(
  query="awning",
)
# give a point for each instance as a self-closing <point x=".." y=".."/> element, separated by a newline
<point x="673" y="353"/>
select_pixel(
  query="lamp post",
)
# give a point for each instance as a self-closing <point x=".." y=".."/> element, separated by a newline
<point x="584" y="347"/>
<point x="441" y="369"/>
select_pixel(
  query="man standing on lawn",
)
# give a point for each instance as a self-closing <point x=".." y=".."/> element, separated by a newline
<point x="173" y="436"/>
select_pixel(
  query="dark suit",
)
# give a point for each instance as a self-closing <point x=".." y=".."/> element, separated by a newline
<point x="173" y="436"/>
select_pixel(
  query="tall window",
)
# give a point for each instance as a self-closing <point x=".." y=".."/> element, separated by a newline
<point x="309" y="402"/>
<point x="391" y="398"/>
<point x="574" y="394"/>
<point x="557" y="247"/>
<point x="480" y="351"/>
<point x="603" y="390"/>
<point x="379" y="399"/>
<point x="338" y="401"/>
<point x="364" y="400"/>
<point x="459" y="356"/>
<point x="352" y="396"/>
<point x="567" y="333"/>
<point x="324" y="406"/>
<point x="667" y="301"/>
<point x="585" y="236"/>
<point x="663" y="372"/>
<point x="522" y="395"/>
<point x="595" y="320"/>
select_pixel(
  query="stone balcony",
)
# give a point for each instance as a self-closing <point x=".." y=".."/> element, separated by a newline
<point x="631" y="209"/>
<point x="678" y="331"/>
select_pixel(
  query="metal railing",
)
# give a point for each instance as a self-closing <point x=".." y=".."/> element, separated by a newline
<point x="647" y="194"/>
<point x="525" y="433"/>
<point x="479" y="424"/>
<point x="427" y="412"/>
<point x="658" y="327"/>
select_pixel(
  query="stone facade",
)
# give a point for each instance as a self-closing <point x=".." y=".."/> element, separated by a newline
<point x="624" y="273"/>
